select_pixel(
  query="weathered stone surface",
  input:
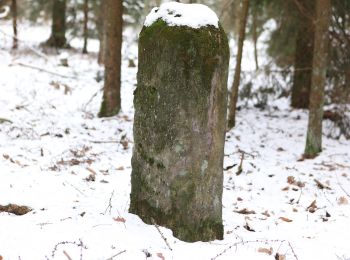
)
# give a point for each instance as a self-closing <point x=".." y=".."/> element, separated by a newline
<point x="179" y="129"/>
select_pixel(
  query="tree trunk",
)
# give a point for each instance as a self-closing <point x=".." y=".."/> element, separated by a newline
<point x="303" y="55"/>
<point x="58" y="28"/>
<point x="237" y="76"/>
<point x="255" y="38"/>
<point x="111" y="103"/>
<point x="86" y="19"/>
<point x="320" y="61"/>
<point x="102" y="32"/>
<point x="14" y="24"/>
<point x="179" y="129"/>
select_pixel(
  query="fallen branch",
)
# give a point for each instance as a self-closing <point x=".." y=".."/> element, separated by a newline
<point x="42" y="70"/>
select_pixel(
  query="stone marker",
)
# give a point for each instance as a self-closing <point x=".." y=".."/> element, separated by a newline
<point x="180" y="120"/>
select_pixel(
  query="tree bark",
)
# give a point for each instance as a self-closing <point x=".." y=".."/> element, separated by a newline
<point x="320" y="61"/>
<point x="303" y="55"/>
<point x="86" y="20"/>
<point x="58" y="28"/>
<point x="111" y="103"/>
<point x="179" y="129"/>
<point x="14" y="24"/>
<point x="237" y="76"/>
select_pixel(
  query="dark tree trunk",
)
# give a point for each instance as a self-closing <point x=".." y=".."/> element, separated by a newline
<point x="179" y="129"/>
<point x="14" y="24"/>
<point x="58" y="28"/>
<point x="236" y="80"/>
<point x="303" y="55"/>
<point x="86" y="20"/>
<point x="320" y="61"/>
<point x="111" y="103"/>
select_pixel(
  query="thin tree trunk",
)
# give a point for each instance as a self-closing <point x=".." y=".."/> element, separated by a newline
<point x="237" y="76"/>
<point x="111" y="103"/>
<point x="58" y="28"/>
<point x="102" y="32"/>
<point x="86" y="19"/>
<point x="14" y="24"/>
<point x="320" y="60"/>
<point x="255" y="38"/>
<point x="303" y="55"/>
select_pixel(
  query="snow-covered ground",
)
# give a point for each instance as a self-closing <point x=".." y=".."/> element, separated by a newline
<point x="73" y="169"/>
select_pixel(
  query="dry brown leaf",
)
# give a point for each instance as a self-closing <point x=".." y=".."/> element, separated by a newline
<point x="247" y="227"/>
<point x="285" y="219"/>
<point x="291" y="179"/>
<point x="266" y="213"/>
<point x="1" y="257"/>
<point x="119" y="219"/>
<point x="343" y="201"/>
<point x="312" y="208"/>
<point x="321" y="185"/>
<point x="120" y="168"/>
<point x="91" y="170"/>
<point x="300" y="184"/>
<point x="6" y="156"/>
<point x="280" y="257"/>
<point x="285" y="188"/>
<point x="245" y="211"/>
<point x="264" y="250"/>
<point x="160" y="255"/>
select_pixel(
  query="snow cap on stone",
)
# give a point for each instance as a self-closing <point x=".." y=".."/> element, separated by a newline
<point x="178" y="14"/>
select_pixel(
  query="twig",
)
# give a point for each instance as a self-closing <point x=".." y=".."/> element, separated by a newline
<point x="91" y="98"/>
<point x="80" y="245"/>
<point x="254" y="241"/>
<point x="295" y="255"/>
<point x="121" y="252"/>
<point x="109" y="206"/>
<point x="106" y="142"/>
<point x="82" y="193"/>
<point x="66" y="254"/>
<point x="161" y="234"/>
<point x="42" y="70"/>
<point x="342" y="188"/>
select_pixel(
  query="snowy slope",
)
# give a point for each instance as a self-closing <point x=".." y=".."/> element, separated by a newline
<point x="73" y="170"/>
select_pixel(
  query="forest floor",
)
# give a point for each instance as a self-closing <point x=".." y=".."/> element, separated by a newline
<point x="73" y="169"/>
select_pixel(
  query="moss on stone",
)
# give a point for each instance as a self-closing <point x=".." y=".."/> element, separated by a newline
<point x="179" y="128"/>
